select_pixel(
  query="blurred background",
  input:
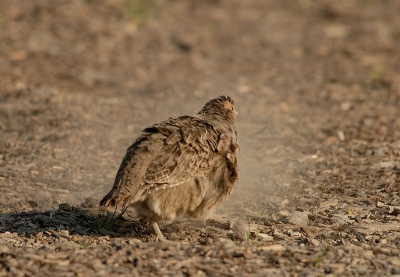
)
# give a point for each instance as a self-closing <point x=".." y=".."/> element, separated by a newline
<point x="80" y="79"/>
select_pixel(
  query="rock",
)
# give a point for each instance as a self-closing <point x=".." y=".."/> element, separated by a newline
<point x="240" y="229"/>
<point x="299" y="218"/>
<point x="33" y="204"/>
<point x="226" y="241"/>
<point x="174" y="236"/>
<point x="265" y="237"/>
<point x="65" y="207"/>
<point x="284" y="213"/>
<point x="329" y="203"/>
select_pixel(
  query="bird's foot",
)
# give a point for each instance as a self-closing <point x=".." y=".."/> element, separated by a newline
<point x="160" y="237"/>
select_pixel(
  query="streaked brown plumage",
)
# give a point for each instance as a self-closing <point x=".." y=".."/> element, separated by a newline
<point x="181" y="166"/>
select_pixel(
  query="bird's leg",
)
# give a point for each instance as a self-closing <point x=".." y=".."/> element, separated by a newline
<point x="160" y="236"/>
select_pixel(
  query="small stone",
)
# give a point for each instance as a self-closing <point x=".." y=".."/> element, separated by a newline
<point x="65" y="207"/>
<point x="33" y="204"/>
<point x="284" y="213"/>
<point x="329" y="203"/>
<point x="346" y="106"/>
<point x="299" y="218"/>
<point x="240" y="229"/>
<point x="285" y="202"/>
<point x="265" y="237"/>
<point x="278" y="234"/>
<point x="174" y="236"/>
<point x="226" y="241"/>
<point x="292" y="233"/>
<point x="340" y="135"/>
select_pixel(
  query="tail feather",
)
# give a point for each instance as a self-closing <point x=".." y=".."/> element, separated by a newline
<point x="118" y="197"/>
<point x="112" y="199"/>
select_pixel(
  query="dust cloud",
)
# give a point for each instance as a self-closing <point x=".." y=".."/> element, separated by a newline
<point x="267" y="161"/>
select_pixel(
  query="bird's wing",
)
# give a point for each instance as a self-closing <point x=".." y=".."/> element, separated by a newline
<point x="132" y="169"/>
<point x="189" y="151"/>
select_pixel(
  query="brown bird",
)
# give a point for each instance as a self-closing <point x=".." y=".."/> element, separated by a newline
<point x="181" y="166"/>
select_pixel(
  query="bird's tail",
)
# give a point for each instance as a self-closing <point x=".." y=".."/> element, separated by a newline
<point x="112" y="199"/>
<point x="119" y="196"/>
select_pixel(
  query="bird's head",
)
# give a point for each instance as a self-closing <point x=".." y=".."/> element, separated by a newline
<point x="220" y="107"/>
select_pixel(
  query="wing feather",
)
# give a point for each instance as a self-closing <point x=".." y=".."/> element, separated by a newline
<point x="186" y="154"/>
<point x="167" y="154"/>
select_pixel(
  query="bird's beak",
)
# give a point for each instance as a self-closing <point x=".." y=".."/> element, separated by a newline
<point x="235" y="113"/>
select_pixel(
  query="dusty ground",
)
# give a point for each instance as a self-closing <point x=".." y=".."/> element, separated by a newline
<point x="317" y="86"/>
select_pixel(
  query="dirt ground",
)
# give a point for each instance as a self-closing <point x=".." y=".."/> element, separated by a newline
<point x="317" y="86"/>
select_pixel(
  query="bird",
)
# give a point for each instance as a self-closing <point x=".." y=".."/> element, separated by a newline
<point x="183" y="166"/>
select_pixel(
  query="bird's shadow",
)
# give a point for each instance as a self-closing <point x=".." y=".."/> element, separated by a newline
<point x="75" y="220"/>
<point x="96" y="222"/>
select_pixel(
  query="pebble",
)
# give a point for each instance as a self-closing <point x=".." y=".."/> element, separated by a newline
<point x="65" y="207"/>
<point x="299" y="218"/>
<point x="265" y="237"/>
<point x="240" y="229"/>
<point x="33" y="204"/>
